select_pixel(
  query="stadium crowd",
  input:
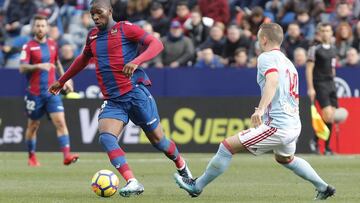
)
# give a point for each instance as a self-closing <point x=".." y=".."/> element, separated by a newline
<point x="196" y="33"/>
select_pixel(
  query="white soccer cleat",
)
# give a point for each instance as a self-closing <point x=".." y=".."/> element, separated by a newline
<point x="132" y="188"/>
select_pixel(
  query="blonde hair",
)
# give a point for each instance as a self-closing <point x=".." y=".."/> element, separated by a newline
<point x="273" y="32"/>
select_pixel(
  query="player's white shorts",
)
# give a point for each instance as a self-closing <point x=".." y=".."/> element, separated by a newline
<point x="265" y="138"/>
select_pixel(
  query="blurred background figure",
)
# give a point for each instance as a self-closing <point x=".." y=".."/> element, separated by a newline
<point x="234" y="40"/>
<point x="18" y="14"/>
<point x="207" y="59"/>
<point x="178" y="49"/>
<point x="67" y="55"/>
<point x="352" y="58"/>
<point x="294" y="39"/>
<point x="343" y="40"/>
<point x="158" y="19"/>
<point x="240" y="59"/>
<point x="300" y="57"/>
<point x="216" y="40"/>
<point x="198" y="27"/>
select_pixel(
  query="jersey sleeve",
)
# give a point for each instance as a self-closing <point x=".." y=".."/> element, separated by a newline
<point x="25" y="54"/>
<point x="266" y="65"/>
<point x="311" y="54"/>
<point x="133" y="32"/>
<point x="87" y="49"/>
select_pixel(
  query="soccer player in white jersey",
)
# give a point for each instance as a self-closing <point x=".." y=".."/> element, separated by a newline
<point x="276" y="121"/>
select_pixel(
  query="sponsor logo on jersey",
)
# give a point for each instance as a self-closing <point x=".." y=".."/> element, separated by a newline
<point x="34" y="48"/>
<point x="93" y="37"/>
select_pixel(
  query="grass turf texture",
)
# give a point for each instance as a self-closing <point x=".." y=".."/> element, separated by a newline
<point x="249" y="179"/>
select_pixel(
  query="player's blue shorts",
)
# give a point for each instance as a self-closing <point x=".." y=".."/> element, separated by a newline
<point x="137" y="105"/>
<point x="36" y="106"/>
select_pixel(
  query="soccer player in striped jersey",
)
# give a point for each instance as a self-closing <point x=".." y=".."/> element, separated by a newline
<point x="276" y="120"/>
<point x="38" y="59"/>
<point x="113" y="46"/>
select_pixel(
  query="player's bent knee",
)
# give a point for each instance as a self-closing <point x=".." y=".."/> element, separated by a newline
<point x="33" y="126"/>
<point x="283" y="159"/>
<point x="105" y="138"/>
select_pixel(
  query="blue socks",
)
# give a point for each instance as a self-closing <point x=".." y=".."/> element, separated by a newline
<point x="303" y="169"/>
<point x="170" y="150"/>
<point x="64" y="143"/>
<point x="116" y="155"/>
<point x="218" y="164"/>
<point x="31" y="145"/>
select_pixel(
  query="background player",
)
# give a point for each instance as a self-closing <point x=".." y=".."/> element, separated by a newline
<point x="320" y="73"/>
<point x="38" y="59"/>
<point x="114" y="48"/>
<point x="276" y="120"/>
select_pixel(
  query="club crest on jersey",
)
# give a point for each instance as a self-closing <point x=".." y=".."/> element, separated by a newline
<point x="93" y="37"/>
<point x="114" y="31"/>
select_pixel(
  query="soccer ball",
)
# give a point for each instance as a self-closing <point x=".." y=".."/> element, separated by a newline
<point x="105" y="183"/>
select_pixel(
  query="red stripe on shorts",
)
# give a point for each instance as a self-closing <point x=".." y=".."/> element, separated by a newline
<point x="260" y="137"/>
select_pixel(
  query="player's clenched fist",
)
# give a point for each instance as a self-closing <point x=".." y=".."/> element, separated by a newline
<point x="129" y="69"/>
<point x="256" y="117"/>
<point x="55" y="88"/>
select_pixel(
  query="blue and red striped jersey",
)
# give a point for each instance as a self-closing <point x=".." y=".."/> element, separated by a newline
<point x="33" y="52"/>
<point x="112" y="49"/>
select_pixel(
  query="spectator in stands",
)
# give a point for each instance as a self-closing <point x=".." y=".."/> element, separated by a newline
<point x="218" y="10"/>
<point x="67" y="55"/>
<point x="216" y="40"/>
<point x="234" y="40"/>
<point x="294" y="39"/>
<point x="207" y="59"/>
<point x="51" y="10"/>
<point x="356" y="36"/>
<point x="119" y="9"/>
<point x="158" y="19"/>
<point x="178" y="50"/>
<point x="306" y="23"/>
<point x="253" y="21"/>
<point x="197" y="28"/>
<point x="343" y="42"/>
<point x="182" y="12"/>
<point x="240" y="59"/>
<point x="300" y="57"/>
<point x="54" y="33"/>
<point x="13" y="47"/>
<point x="352" y="58"/>
<point x="137" y="10"/>
<point x="273" y="7"/>
<point x="78" y="31"/>
<point x="342" y="14"/>
<point x="149" y="29"/>
<point x="19" y="13"/>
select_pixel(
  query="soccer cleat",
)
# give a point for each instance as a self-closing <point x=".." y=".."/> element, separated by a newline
<point x="132" y="187"/>
<point x="330" y="191"/>
<point x="72" y="158"/>
<point x="32" y="161"/>
<point x="185" y="172"/>
<point x="328" y="152"/>
<point x="188" y="184"/>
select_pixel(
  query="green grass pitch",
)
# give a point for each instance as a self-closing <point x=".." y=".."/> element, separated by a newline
<point x="249" y="179"/>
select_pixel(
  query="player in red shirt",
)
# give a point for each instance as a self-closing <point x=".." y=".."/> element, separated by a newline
<point x="38" y="59"/>
<point x="114" y="48"/>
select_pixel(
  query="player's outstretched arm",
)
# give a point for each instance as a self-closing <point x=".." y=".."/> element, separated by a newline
<point x="271" y="83"/>
<point x="79" y="63"/>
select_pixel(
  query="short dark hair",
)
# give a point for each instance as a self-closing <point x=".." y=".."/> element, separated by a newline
<point x="273" y="32"/>
<point x="322" y="24"/>
<point x="39" y="17"/>
<point x="105" y="2"/>
<point x="182" y="3"/>
<point x="239" y="50"/>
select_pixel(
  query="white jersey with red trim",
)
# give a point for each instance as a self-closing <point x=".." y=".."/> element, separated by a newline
<point x="283" y="111"/>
